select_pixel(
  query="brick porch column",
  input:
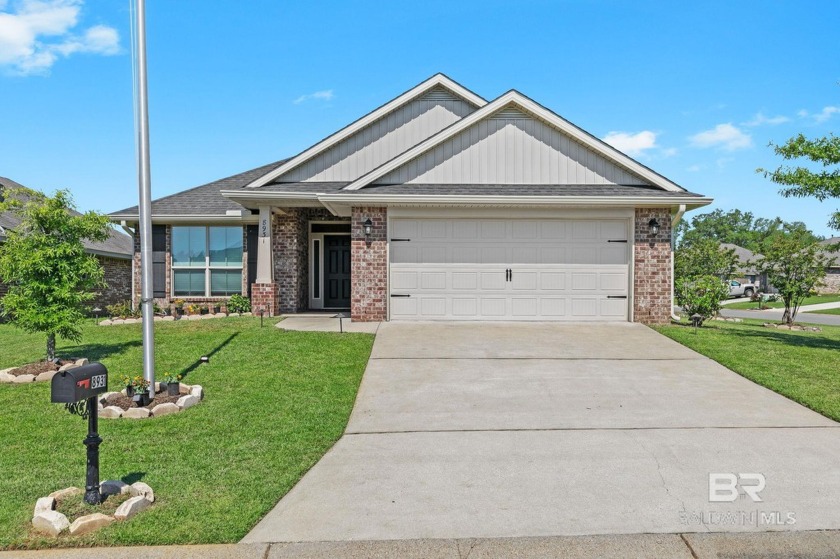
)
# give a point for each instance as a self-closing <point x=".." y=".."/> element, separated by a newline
<point x="652" y="267"/>
<point x="369" y="265"/>
<point x="264" y="292"/>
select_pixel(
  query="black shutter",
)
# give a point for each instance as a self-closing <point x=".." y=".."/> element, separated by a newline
<point x="159" y="261"/>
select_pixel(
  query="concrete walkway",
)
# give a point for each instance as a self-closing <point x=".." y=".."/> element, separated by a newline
<point x="321" y="322"/>
<point x="801" y="545"/>
<point x="527" y="430"/>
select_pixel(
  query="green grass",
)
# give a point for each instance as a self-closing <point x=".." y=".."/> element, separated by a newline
<point x="799" y="365"/>
<point x="816" y="299"/>
<point x="825" y="311"/>
<point x="275" y="403"/>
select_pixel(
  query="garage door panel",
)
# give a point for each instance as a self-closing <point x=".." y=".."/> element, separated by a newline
<point x="561" y="269"/>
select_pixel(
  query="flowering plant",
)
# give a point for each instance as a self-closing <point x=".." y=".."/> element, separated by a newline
<point x="169" y="378"/>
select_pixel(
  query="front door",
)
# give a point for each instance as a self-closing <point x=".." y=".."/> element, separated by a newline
<point x="337" y="271"/>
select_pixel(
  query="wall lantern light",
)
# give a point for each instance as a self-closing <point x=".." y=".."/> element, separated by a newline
<point x="368" y="225"/>
<point x="653" y="224"/>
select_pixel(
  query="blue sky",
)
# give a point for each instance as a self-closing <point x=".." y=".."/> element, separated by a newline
<point x="695" y="90"/>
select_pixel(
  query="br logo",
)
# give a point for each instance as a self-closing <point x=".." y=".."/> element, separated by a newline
<point x="724" y="487"/>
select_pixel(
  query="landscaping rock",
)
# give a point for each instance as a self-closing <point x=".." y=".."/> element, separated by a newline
<point x="6" y="371"/>
<point x="183" y="389"/>
<point x="131" y="321"/>
<point x="185" y="402"/>
<point x="46" y="376"/>
<point x="103" y="398"/>
<point x="194" y="317"/>
<point x="64" y="493"/>
<point x="136" y="413"/>
<point x="131" y="507"/>
<point x="167" y="318"/>
<point x="6" y="377"/>
<point x="50" y="522"/>
<point x="197" y="391"/>
<point x="118" y="321"/>
<point x="165" y="409"/>
<point x="21" y="379"/>
<point x="90" y="523"/>
<point x="67" y="367"/>
<point x="143" y="490"/>
<point x="82" y="362"/>
<point x="105" y="323"/>
<point x="111" y="412"/>
<point x="44" y="504"/>
<point x="234" y="314"/>
<point x="114" y="487"/>
<point x="157" y="387"/>
<point x="247" y="314"/>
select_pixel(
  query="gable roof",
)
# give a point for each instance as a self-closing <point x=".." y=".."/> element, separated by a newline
<point x="435" y="82"/>
<point x="746" y="257"/>
<point x="832" y="245"/>
<point x="117" y="245"/>
<point x="515" y="99"/>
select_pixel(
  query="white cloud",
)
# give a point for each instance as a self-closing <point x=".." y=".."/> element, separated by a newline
<point x="760" y="119"/>
<point x="822" y="116"/>
<point x="724" y="136"/>
<point x="632" y="144"/>
<point x="694" y="169"/>
<point x="34" y="34"/>
<point x="325" y="95"/>
<point x="670" y="152"/>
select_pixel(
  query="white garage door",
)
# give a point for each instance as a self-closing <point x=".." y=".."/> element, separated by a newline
<point x="509" y="269"/>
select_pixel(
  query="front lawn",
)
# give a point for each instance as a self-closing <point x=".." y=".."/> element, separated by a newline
<point x="275" y="403"/>
<point x="800" y="365"/>
<point x="825" y="311"/>
<point x="815" y="300"/>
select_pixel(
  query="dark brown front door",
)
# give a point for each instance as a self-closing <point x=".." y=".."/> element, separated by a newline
<point x="337" y="271"/>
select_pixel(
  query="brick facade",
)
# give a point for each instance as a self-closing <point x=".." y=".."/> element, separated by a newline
<point x="369" y="261"/>
<point x="118" y="280"/>
<point x="652" y="267"/>
<point x="290" y="240"/>
<point x="831" y="281"/>
<point x="264" y="296"/>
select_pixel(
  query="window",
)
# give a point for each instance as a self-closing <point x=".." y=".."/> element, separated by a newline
<point x="207" y="261"/>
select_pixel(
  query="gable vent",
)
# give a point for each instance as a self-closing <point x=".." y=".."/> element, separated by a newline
<point x="439" y="94"/>
<point x="509" y="113"/>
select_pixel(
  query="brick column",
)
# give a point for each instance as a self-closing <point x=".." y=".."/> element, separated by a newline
<point x="264" y="296"/>
<point x="652" y="267"/>
<point x="369" y="265"/>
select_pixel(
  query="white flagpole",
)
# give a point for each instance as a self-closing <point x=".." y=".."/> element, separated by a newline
<point x="144" y="180"/>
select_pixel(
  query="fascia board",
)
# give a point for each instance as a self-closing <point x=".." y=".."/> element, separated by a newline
<point x="629" y="201"/>
<point x="347" y="131"/>
<point x="539" y="111"/>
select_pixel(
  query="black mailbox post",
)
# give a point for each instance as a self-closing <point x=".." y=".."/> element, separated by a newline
<point x="77" y="389"/>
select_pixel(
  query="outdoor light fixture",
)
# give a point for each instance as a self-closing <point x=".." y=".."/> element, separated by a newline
<point x="368" y="225"/>
<point x="654" y="226"/>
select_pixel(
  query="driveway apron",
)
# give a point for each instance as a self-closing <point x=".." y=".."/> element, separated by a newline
<point x="471" y="430"/>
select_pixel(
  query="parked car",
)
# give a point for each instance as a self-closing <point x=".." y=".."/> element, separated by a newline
<point x="738" y="289"/>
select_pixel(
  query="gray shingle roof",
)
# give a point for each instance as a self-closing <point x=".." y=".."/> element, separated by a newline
<point x="746" y="257"/>
<point x="118" y="245"/>
<point x="833" y="251"/>
<point x="204" y="199"/>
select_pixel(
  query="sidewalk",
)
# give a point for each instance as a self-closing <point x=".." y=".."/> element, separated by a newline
<point x="817" y="545"/>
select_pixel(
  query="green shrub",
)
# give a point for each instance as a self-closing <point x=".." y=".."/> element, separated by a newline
<point x="238" y="304"/>
<point x="119" y="310"/>
<point x="701" y="295"/>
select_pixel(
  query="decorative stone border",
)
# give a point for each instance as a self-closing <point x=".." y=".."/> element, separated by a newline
<point x="48" y="521"/>
<point x="118" y="321"/>
<point x="794" y="327"/>
<point x="43" y="377"/>
<point x="191" y="396"/>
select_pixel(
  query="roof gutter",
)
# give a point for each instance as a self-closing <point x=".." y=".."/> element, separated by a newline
<point x="501" y="200"/>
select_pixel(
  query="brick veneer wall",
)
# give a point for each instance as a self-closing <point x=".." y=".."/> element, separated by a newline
<point x="831" y="282"/>
<point x="118" y="278"/>
<point x="652" y="267"/>
<point x="290" y="239"/>
<point x="264" y="296"/>
<point x="369" y="265"/>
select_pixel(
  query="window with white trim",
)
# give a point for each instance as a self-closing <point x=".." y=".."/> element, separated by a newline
<point x="207" y="261"/>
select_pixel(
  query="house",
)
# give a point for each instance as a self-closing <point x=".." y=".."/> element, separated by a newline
<point x="114" y="254"/>
<point x="746" y="272"/>
<point x="831" y="282"/>
<point x="437" y="205"/>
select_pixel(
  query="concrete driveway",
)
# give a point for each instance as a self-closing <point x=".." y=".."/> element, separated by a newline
<point x="465" y="430"/>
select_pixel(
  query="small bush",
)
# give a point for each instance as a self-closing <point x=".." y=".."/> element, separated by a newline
<point x="119" y="310"/>
<point x="701" y="295"/>
<point x="238" y="304"/>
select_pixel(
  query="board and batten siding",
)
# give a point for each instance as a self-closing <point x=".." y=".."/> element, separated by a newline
<point x="383" y="139"/>
<point x="510" y="147"/>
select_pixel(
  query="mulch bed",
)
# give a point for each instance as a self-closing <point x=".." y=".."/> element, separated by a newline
<point x="39" y="367"/>
<point x="124" y="402"/>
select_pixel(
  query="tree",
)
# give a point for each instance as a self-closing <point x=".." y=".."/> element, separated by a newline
<point x="704" y="257"/>
<point x="734" y="226"/>
<point x="700" y="295"/>
<point x="801" y="182"/>
<point x="794" y="265"/>
<point x="43" y="261"/>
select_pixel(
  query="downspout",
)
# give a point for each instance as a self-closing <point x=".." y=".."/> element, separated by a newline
<point x="674" y="221"/>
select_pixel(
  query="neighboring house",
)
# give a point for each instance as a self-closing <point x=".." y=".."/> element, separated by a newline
<point x="746" y="272"/>
<point x="437" y="205"/>
<point x="832" y="273"/>
<point x="115" y="255"/>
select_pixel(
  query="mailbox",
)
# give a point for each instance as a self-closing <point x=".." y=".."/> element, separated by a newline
<point x="79" y="384"/>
